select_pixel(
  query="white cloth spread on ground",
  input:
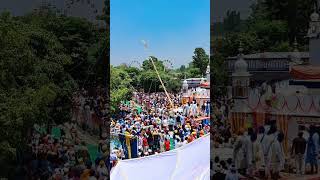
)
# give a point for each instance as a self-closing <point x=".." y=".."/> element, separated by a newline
<point x="190" y="162"/>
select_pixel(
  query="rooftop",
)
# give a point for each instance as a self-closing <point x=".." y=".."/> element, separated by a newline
<point x="271" y="55"/>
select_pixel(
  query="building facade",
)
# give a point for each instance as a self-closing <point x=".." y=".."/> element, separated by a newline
<point x="267" y="66"/>
<point x="293" y="100"/>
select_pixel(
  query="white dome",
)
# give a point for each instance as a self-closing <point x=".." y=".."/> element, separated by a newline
<point x="185" y="84"/>
<point x="240" y="65"/>
<point x="314" y="16"/>
<point x="202" y="80"/>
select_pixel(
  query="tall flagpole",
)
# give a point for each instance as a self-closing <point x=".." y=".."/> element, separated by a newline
<point x="155" y="68"/>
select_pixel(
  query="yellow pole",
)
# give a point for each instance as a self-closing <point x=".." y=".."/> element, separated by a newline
<point x="145" y="44"/>
<point x="164" y="88"/>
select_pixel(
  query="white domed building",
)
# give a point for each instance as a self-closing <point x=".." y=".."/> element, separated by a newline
<point x="240" y="77"/>
<point x="291" y="102"/>
<point x="197" y="89"/>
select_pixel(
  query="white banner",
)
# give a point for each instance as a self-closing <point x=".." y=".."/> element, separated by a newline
<point x="190" y="162"/>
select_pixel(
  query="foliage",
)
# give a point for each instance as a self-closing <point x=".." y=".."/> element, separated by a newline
<point x="272" y="26"/>
<point x="150" y="82"/>
<point x="134" y="73"/>
<point x="43" y="60"/>
<point x="232" y="22"/>
<point x="193" y="72"/>
<point x="172" y="83"/>
<point x="78" y="37"/>
<point x="125" y="79"/>
<point x="200" y="60"/>
<point x="147" y="64"/>
<point x="294" y="13"/>
<point x="120" y="86"/>
<point x="219" y="74"/>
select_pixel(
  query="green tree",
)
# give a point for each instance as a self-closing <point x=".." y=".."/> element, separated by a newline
<point x="149" y="81"/>
<point x="193" y="72"/>
<point x="182" y="68"/>
<point x="147" y="64"/>
<point x="200" y="60"/>
<point x="295" y="13"/>
<point x="79" y="38"/>
<point x="172" y="83"/>
<point x="134" y="74"/>
<point x="120" y="87"/>
<point x="232" y="22"/>
<point x="34" y="87"/>
<point x="220" y="75"/>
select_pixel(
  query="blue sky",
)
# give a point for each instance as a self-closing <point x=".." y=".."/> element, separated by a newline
<point x="173" y="29"/>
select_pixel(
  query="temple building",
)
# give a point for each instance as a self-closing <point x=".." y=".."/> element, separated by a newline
<point x="293" y="100"/>
<point x="197" y="89"/>
<point x="267" y="66"/>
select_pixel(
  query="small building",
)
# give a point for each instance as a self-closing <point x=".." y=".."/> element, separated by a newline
<point x="193" y="82"/>
<point x="197" y="89"/>
<point x="267" y="66"/>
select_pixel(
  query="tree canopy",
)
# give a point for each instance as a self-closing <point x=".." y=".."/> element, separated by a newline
<point x="125" y="79"/>
<point x="43" y="60"/>
<point x="272" y="26"/>
<point x="200" y="60"/>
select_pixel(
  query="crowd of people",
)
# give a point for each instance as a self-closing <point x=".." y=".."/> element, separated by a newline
<point x="260" y="152"/>
<point x="153" y="125"/>
<point x="224" y="170"/>
<point x="90" y="109"/>
<point x="156" y="126"/>
<point x="65" y="155"/>
<point x="221" y="129"/>
<point x="59" y="152"/>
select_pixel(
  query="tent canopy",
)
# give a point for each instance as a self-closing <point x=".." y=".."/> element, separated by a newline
<point x="189" y="162"/>
<point x="305" y="72"/>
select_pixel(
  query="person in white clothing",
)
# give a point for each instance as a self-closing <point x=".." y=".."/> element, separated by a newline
<point x="257" y="155"/>
<point x="241" y="152"/>
<point x="270" y="137"/>
<point x="232" y="174"/>
<point x="276" y="157"/>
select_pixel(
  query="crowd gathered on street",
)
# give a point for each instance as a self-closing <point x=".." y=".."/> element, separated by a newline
<point x="156" y="126"/>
